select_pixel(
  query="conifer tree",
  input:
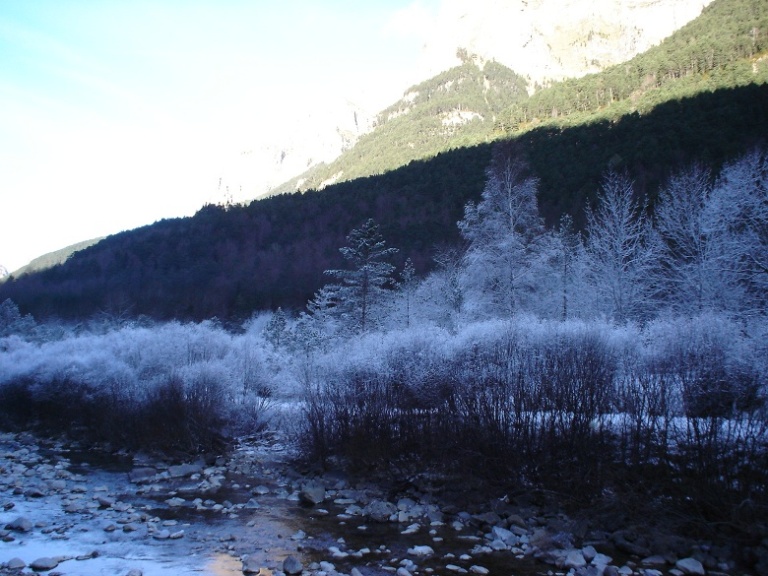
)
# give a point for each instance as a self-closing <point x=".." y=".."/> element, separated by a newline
<point x="369" y="274"/>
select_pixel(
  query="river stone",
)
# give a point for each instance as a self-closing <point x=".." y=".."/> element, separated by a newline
<point x="138" y="475"/>
<point x="574" y="559"/>
<point x="21" y="524"/>
<point x="379" y="510"/>
<point x="15" y="564"/>
<point x="44" y="564"/>
<point x="655" y="561"/>
<point x="504" y="535"/>
<point x="690" y="566"/>
<point x="291" y="566"/>
<point x="250" y="565"/>
<point x="312" y="494"/>
<point x="487" y="518"/>
<point x="135" y="572"/>
<point x="481" y="570"/>
<point x="421" y="551"/>
<point x="184" y="470"/>
<point x="589" y="553"/>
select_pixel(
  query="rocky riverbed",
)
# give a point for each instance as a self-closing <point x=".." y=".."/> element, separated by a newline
<point x="64" y="510"/>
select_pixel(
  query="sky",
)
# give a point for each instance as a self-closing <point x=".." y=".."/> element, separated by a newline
<point x="118" y="113"/>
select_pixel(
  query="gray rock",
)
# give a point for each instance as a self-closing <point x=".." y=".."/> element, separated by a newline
<point x="312" y="494"/>
<point x="105" y="501"/>
<point x="135" y="572"/>
<point x="15" y="564"/>
<point x="574" y="559"/>
<point x="626" y="541"/>
<point x="143" y="474"/>
<point x="184" y="470"/>
<point x="589" y="553"/>
<point x="44" y="564"/>
<point x="486" y="519"/>
<point x="21" y="524"/>
<point x="291" y="566"/>
<point x="34" y="492"/>
<point x="504" y="535"/>
<point x="250" y="565"/>
<point x="379" y="510"/>
<point x="655" y="561"/>
<point x="690" y="566"/>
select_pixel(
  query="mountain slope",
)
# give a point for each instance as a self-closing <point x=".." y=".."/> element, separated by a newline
<point x="724" y="47"/>
<point x="228" y="262"/>
<point x="458" y="107"/>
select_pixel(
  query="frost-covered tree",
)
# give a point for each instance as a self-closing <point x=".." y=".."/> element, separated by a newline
<point x="738" y="209"/>
<point x="12" y="321"/>
<point x="276" y="330"/>
<point x="506" y="238"/>
<point x="408" y="284"/>
<point x="568" y="258"/>
<point x="689" y="280"/>
<point x="369" y="274"/>
<point x="622" y="252"/>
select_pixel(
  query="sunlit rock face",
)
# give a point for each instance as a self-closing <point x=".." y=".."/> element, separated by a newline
<point x="547" y="40"/>
<point x="309" y="137"/>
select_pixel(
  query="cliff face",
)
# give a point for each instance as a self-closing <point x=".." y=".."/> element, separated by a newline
<point x="547" y="40"/>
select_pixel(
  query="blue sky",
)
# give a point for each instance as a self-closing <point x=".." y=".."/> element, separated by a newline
<point x="114" y="114"/>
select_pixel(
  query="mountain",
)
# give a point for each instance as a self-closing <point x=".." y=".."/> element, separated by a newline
<point x="550" y="40"/>
<point x="53" y="258"/>
<point x="458" y="107"/>
<point x="705" y="100"/>
<point x="316" y="136"/>
<point x="542" y="41"/>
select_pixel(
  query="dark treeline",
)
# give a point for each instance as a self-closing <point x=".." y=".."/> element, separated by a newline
<point x="228" y="262"/>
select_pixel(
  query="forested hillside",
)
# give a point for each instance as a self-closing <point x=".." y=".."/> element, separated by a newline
<point x="701" y="96"/>
<point x="228" y="262"/>
<point x="458" y="107"/>
<point x="726" y="47"/>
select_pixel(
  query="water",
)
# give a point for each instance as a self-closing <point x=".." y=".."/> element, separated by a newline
<point x="214" y="542"/>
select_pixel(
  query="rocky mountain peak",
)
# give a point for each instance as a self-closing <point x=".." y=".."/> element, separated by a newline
<point x="548" y="40"/>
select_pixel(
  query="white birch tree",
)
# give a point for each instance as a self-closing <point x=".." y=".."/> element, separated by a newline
<point x="622" y="252"/>
<point x="506" y="239"/>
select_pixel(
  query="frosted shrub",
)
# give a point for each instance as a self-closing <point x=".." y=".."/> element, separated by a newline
<point x="171" y="385"/>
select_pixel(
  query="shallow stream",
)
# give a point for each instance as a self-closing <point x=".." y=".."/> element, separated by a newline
<point x="258" y="516"/>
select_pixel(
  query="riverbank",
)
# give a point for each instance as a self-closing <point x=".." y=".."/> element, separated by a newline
<point x="67" y="510"/>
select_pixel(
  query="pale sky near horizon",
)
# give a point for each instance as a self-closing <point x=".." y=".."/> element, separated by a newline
<point x="117" y="113"/>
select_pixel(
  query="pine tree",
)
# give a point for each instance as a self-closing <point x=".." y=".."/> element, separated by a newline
<point x="368" y="276"/>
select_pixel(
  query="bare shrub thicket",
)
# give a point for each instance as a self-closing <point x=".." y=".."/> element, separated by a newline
<point x="565" y="406"/>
